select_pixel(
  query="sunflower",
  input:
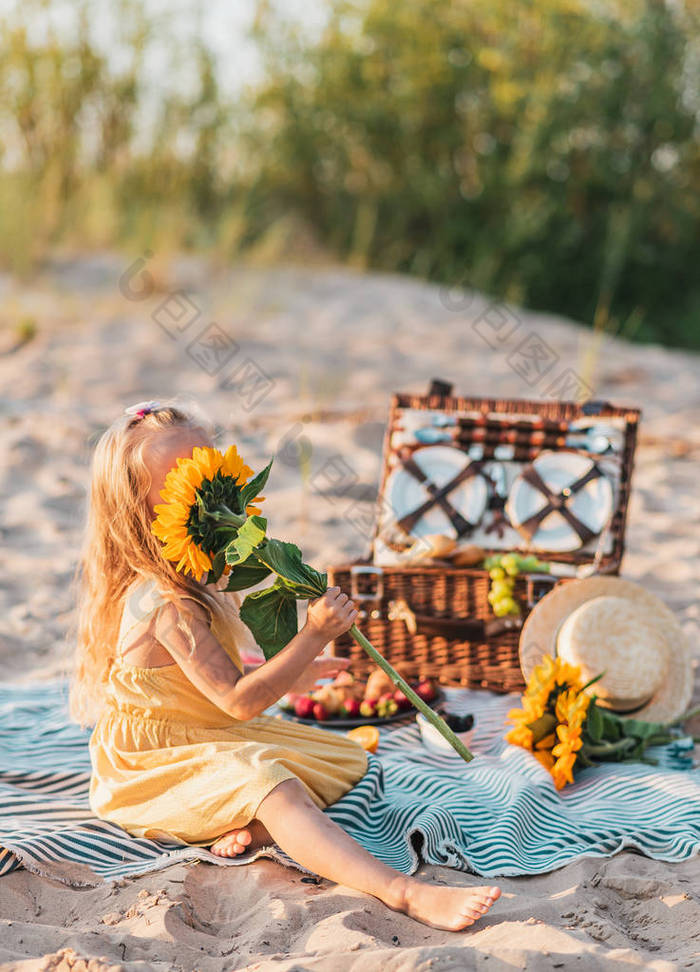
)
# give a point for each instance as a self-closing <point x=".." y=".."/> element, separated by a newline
<point x="520" y="736"/>
<point x="545" y="758"/>
<point x="209" y="475"/>
<point x="524" y="720"/>
<point x="559" y="723"/>
<point x="541" y="680"/>
<point x="566" y="753"/>
<point x="569" y="741"/>
<point x="551" y="718"/>
<point x="571" y="707"/>
<point x="563" y="770"/>
<point x="567" y="675"/>
<point x="551" y="674"/>
<point x="546" y="742"/>
<point x="531" y="710"/>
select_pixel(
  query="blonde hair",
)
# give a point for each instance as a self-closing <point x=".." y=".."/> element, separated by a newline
<point x="120" y="548"/>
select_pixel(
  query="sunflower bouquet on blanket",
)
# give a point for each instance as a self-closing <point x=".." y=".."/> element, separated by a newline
<point x="565" y="728"/>
<point x="209" y="523"/>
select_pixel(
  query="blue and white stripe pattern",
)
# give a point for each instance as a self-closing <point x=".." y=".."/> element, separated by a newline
<point x="499" y="815"/>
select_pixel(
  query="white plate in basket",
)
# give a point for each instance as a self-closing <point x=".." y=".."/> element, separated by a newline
<point x="592" y="505"/>
<point x="403" y="493"/>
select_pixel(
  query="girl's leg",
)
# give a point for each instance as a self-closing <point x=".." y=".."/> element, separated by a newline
<point x="312" y="839"/>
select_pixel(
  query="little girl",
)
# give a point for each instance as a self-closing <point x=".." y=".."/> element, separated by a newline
<point x="181" y="749"/>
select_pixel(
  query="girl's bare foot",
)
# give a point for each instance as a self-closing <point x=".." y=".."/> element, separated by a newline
<point x="239" y="841"/>
<point x="451" y="909"/>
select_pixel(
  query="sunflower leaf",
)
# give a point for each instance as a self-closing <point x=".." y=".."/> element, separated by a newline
<point x="285" y="560"/>
<point x="638" y="729"/>
<point x="594" y="722"/>
<point x="271" y="615"/>
<point x="592" y="681"/>
<point x="249" y="536"/>
<point x="246" y="575"/>
<point x="217" y="567"/>
<point x="252" y="488"/>
<point x="612" y="726"/>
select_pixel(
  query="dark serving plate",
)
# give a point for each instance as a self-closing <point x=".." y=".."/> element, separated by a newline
<point x="354" y="723"/>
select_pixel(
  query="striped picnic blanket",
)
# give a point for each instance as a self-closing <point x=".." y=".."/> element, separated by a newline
<point x="499" y="815"/>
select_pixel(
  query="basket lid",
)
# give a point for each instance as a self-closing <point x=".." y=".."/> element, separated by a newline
<point x="547" y="477"/>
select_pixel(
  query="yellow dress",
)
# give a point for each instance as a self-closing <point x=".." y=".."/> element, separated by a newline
<point x="168" y="763"/>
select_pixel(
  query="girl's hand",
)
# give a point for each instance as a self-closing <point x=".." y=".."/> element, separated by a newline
<point x="331" y="615"/>
<point x="319" y="668"/>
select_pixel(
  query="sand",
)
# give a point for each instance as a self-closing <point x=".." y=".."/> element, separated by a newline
<point x="329" y="345"/>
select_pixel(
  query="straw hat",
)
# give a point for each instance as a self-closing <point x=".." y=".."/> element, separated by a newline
<point x="606" y="624"/>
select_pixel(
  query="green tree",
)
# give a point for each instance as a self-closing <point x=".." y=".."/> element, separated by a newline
<point x="545" y="152"/>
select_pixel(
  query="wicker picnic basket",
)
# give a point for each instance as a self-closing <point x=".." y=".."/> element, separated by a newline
<point x="435" y="620"/>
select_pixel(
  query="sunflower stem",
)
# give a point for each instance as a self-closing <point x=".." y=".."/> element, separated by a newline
<point x="662" y="739"/>
<point x="226" y="516"/>
<point x="415" y="699"/>
<point x="607" y="749"/>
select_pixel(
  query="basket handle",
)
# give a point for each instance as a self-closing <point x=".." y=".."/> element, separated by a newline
<point x="440" y="387"/>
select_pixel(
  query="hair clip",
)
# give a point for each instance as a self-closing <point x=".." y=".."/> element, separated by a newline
<point x="141" y="408"/>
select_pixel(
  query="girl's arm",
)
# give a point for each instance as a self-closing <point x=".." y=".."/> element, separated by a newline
<point x="208" y="666"/>
<point x="323" y="667"/>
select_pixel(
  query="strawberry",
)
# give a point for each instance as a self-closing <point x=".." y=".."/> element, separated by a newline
<point x="304" y="707"/>
<point x="350" y="709"/>
<point x="385" y="697"/>
<point x="426" y="690"/>
<point x="368" y="708"/>
<point x="320" y="712"/>
<point x="401" y="700"/>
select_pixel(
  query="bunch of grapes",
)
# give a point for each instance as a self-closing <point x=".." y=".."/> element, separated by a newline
<point x="503" y="569"/>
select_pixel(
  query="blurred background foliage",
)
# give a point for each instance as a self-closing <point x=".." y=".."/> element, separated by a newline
<point x="544" y="152"/>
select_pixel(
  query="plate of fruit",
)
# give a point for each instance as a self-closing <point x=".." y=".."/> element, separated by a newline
<point x="348" y="701"/>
